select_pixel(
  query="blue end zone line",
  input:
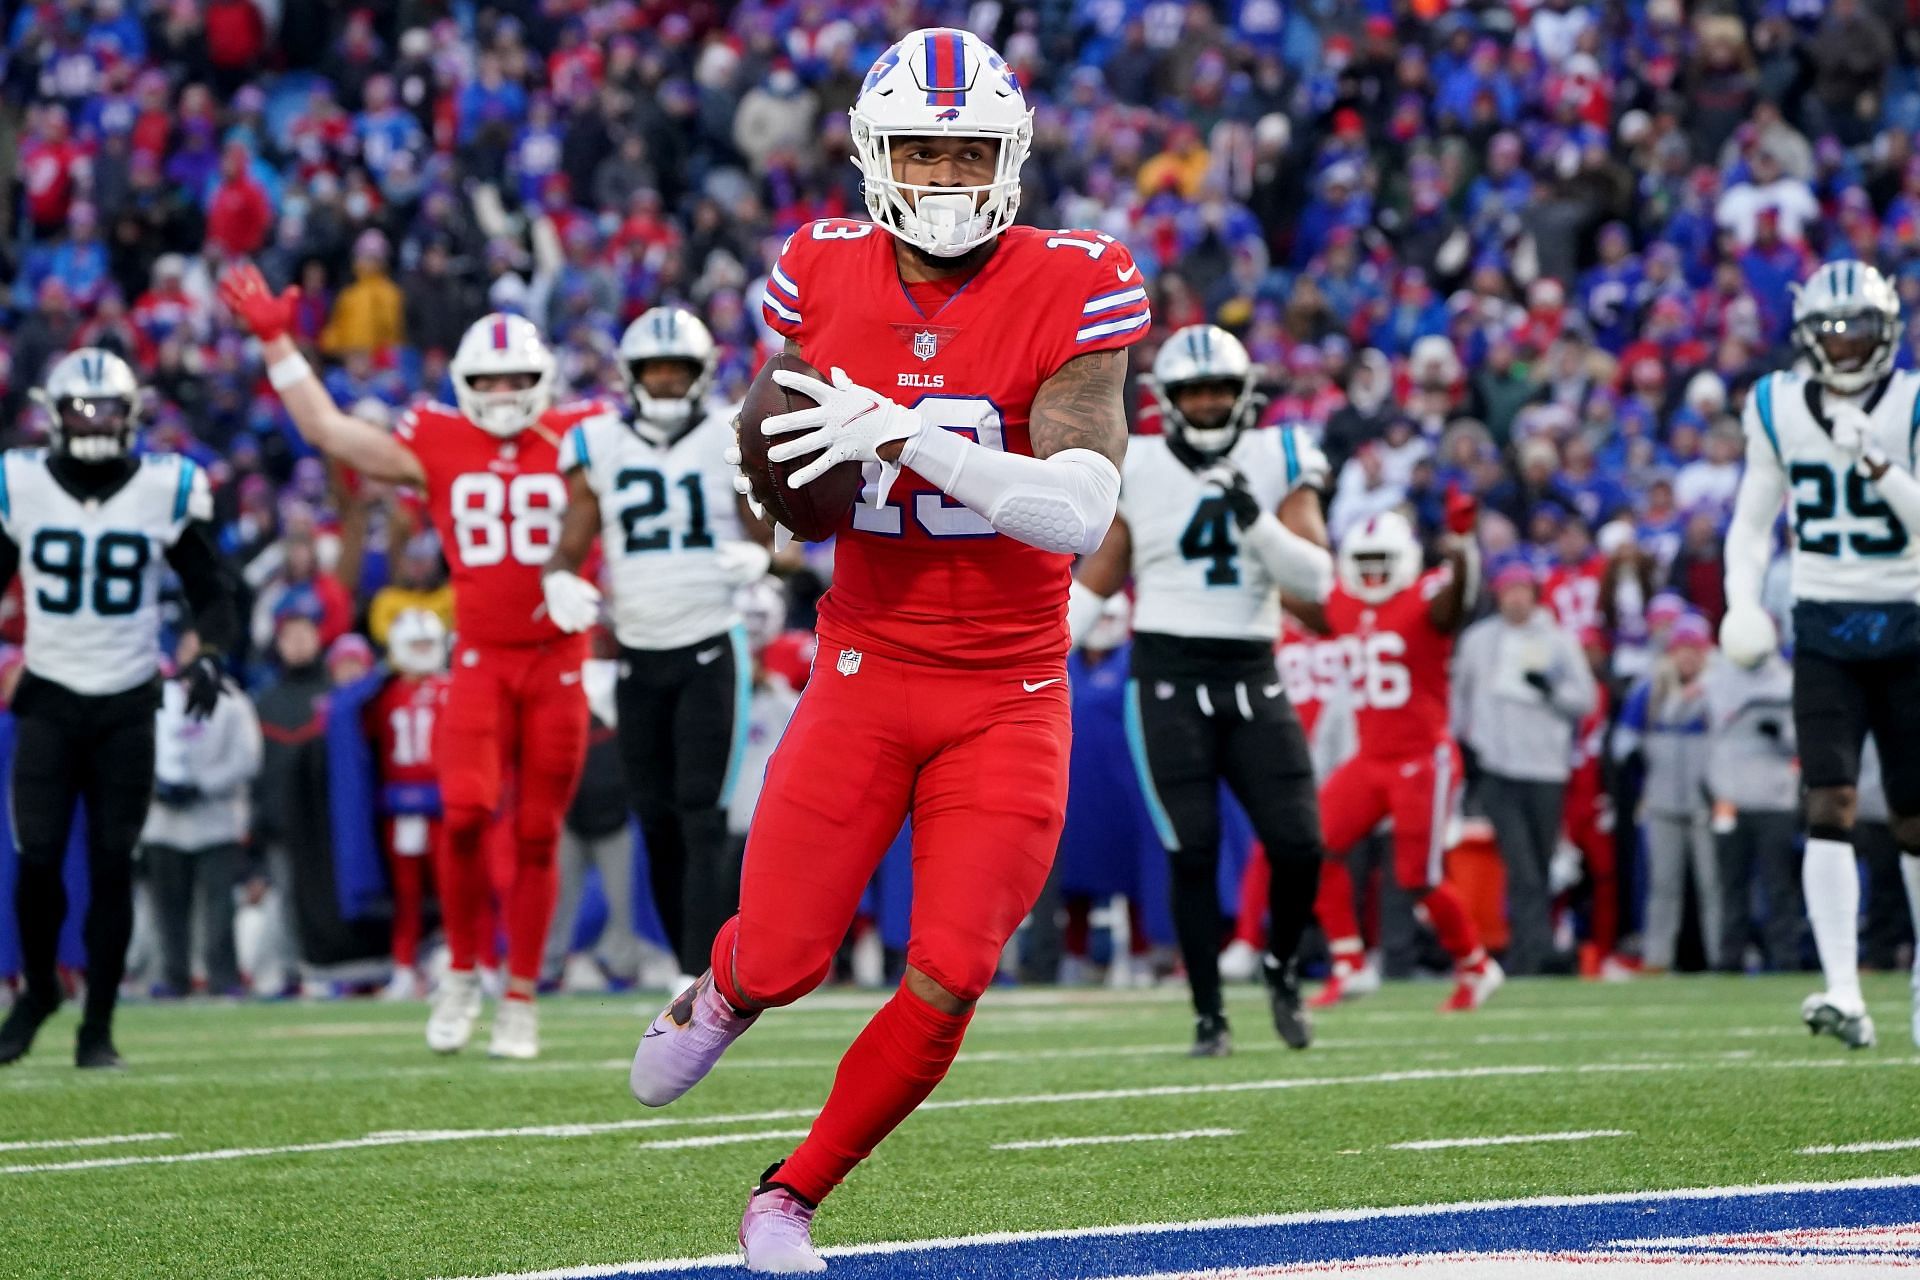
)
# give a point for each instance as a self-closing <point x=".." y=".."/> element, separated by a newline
<point x="1558" y="1223"/>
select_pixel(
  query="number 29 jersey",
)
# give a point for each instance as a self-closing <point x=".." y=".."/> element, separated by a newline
<point x="92" y="569"/>
<point x="1848" y="546"/>
<point x="924" y="579"/>
<point x="496" y="503"/>
<point x="1398" y="664"/>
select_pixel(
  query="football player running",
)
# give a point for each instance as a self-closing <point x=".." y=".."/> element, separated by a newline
<point x="941" y="690"/>
<point x="490" y="470"/>
<point x="1216" y="520"/>
<point x="1397" y="625"/>
<point x="1837" y="445"/>
<point x="92" y="530"/>
<point x="654" y="486"/>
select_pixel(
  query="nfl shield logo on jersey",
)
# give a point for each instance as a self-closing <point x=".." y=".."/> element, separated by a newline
<point x="849" y="662"/>
<point x="926" y="345"/>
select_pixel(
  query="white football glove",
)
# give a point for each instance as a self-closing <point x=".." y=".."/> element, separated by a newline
<point x="1853" y="436"/>
<point x="742" y="485"/>
<point x="572" y="602"/>
<point x="849" y="423"/>
<point x="1747" y="635"/>
<point x="742" y="562"/>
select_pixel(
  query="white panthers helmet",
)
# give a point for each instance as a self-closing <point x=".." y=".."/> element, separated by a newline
<point x="94" y="401"/>
<point x="1204" y="353"/>
<point x="667" y="333"/>
<point x="940" y="80"/>
<point x="1380" y="559"/>
<point x="503" y="344"/>
<point x="1846" y="321"/>
<point x="417" y="643"/>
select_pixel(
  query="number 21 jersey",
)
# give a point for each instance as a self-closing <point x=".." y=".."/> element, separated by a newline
<point x="496" y="504"/>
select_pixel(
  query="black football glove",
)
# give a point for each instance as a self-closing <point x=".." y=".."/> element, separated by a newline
<point x="1538" y="679"/>
<point x="203" y="677"/>
<point x="1770" y="729"/>
<point x="1232" y="487"/>
<point x="176" y="795"/>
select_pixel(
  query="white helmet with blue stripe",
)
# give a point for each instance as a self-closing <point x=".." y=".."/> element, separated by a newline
<point x="94" y="401"/>
<point x="1846" y="321"/>
<point x="1197" y="354"/>
<point x="503" y="346"/>
<point x="940" y="81"/>
<point x="667" y="333"/>
<point x="1380" y="559"/>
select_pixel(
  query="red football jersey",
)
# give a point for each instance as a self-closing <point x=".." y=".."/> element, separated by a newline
<point x="1306" y="664"/>
<point x="1572" y="591"/>
<point x="923" y="579"/>
<point x="400" y="721"/>
<point x="496" y="504"/>
<point x="1397" y="661"/>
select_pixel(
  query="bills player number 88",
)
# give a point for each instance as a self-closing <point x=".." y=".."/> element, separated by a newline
<point x="494" y="517"/>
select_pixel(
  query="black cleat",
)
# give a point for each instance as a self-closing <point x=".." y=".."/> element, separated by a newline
<point x="1211" y="1038"/>
<point x="1283" y="997"/>
<point x="21" y="1026"/>
<point x="94" y="1050"/>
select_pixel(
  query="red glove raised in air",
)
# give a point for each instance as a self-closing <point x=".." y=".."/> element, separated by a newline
<point x="1463" y="511"/>
<point x="266" y="316"/>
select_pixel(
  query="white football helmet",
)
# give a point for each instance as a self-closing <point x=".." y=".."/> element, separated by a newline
<point x="1846" y="321"/>
<point x="94" y="401"/>
<point x="667" y="333"/>
<point x="417" y="643"/>
<point x="763" y="607"/>
<point x="503" y="344"/>
<point x="1380" y="559"/>
<point x="1113" y="626"/>
<point x="1204" y="353"/>
<point x="940" y="80"/>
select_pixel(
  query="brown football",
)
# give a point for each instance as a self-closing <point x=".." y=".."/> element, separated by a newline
<point x="812" y="513"/>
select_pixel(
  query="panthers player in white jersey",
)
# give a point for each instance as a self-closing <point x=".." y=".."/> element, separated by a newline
<point x="1839" y="444"/>
<point x="1217" y="519"/>
<point x="653" y="484"/>
<point x="92" y="529"/>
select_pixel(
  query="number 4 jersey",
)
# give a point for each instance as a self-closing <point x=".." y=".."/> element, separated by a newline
<point x="496" y="503"/>
<point x="665" y="511"/>
<point x="923" y="579"/>
<point x="92" y="568"/>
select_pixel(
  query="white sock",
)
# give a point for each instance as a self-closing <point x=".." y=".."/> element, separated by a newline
<point x="1831" y="882"/>
<point x="1910" y="872"/>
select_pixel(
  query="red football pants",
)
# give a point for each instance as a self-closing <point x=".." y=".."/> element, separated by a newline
<point x="518" y="711"/>
<point x="978" y="758"/>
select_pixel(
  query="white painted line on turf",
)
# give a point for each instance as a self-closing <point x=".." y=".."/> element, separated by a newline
<point x="1862" y="1148"/>
<point x="720" y="1140"/>
<point x="1508" y="1139"/>
<point x="1047" y="1144"/>
<point x="106" y="1140"/>
<point x="712" y="1261"/>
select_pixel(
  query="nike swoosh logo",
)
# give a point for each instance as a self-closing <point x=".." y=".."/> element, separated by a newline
<point x="1272" y="691"/>
<point x="1035" y="686"/>
<point x="856" y="417"/>
<point x="1129" y="273"/>
<point x="706" y="656"/>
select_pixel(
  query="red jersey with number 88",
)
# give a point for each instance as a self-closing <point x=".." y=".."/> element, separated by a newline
<point x="1397" y="661"/>
<point x="496" y="503"/>
<point x="924" y="579"/>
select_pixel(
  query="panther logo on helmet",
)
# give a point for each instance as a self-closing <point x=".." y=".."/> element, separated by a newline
<point x="1846" y="321"/>
<point x="94" y="401"/>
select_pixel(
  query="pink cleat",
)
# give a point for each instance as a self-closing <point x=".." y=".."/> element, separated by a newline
<point x="776" y="1232"/>
<point x="684" y="1042"/>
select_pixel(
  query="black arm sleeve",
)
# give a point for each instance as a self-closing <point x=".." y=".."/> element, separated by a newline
<point x="9" y="562"/>
<point x="208" y="584"/>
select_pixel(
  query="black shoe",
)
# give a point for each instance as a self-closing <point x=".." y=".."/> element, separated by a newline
<point x="1283" y="997"/>
<point x="94" y="1050"/>
<point x="22" y="1024"/>
<point x="1211" y="1038"/>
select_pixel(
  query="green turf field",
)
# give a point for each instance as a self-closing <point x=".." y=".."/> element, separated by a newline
<point x="420" y="1167"/>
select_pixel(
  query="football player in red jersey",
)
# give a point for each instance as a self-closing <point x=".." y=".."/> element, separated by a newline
<point x="1397" y="626"/>
<point x="490" y="470"/>
<point x="977" y="371"/>
<point x="400" y="722"/>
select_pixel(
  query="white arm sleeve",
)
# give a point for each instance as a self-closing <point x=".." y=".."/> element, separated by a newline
<point x="1083" y="611"/>
<point x="1749" y="547"/>
<point x="1063" y="503"/>
<point x="1902" y="492"/>
<point x="1301" y="568"/>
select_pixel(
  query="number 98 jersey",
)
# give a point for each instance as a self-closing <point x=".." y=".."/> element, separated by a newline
<point x="92" y="569"/>
<point x="496" y="503"/>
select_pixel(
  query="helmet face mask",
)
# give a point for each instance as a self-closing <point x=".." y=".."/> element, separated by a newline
<point x="1380" y="559"/>
<point x="417" y="643"/>
<point x="94" y="402"/>
<point x="503" y="375"/>
<point x="664" y="342"/>
<point x="1206" y="369"/>
<point x="1846" y="322"/>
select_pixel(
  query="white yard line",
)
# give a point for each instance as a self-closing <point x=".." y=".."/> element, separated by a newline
<point x="710" y="1262"/>
<point x="1047" y="1144"/>
<point x="64" y="1144"/>
<point x="1508" y="1139"/>
<point x="1863" y="1148"/>
<point x="720" y="1139"/>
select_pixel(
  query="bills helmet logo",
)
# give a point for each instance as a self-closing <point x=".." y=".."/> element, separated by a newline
<point x="951" y="113"/>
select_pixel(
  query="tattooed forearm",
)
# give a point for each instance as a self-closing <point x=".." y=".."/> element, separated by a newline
<point x="1082" y="406"/>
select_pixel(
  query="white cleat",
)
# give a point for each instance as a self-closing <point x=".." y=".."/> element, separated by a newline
<point x="516" y="1031"/>
<point x="1365" y="980"/>
<point x="582" y="975"/>
<point x="404" y="985"/>
<point x="1849" y="1025"/>
<point x="683" y="1043"/>
<point x="776" y="1234"/>
<point x="1240" y="962"/>
<point x="455" y="1007"/>
<point x="1474" y="987"/>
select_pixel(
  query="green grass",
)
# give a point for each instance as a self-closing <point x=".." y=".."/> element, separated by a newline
<point x="1712" y="1077"/>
